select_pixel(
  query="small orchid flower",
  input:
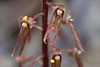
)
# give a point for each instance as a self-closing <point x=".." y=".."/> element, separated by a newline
<point x="55" y="21"/>
<point x="56" y="58"/>
<point x="25" y="24"/>
<point x="76" y="54"/>
<point x="24" y="32"/>
<point x="69" y="21"/>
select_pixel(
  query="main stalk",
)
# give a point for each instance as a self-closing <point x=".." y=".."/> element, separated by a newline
<point x="44" y="26"/>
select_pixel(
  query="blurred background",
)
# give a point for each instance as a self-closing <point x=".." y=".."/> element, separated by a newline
<point x="86" y="14"/>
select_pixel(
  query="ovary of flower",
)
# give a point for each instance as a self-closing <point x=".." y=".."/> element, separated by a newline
<point x="24" y="18"/>
<point x="24" y="25"/>
<point x="59" y="12"/>
<point x="57" y="58"/>
<point x="52" y="61"/>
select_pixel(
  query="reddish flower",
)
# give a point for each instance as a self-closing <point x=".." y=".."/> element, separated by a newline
<point x="76" y="54"/>
<point x="69" y="21"/>
<point x="56" y="58"/>
<point x="55" y="21"/>
<point x="25" y="24"/>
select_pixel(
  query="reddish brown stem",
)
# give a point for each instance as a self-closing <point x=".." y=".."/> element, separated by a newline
<point x="44" y="26"/>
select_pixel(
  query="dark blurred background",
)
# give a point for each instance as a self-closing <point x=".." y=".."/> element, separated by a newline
<point x="86" y="14"/>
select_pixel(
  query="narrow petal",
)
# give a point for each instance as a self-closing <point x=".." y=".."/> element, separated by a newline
<point x="57" y="29"/>
<point x="46" y="35"/>
<point x="50" y="25"/>
<point x="18" y="38"/>
<point x="53" y="46"/>
<point x="22" y="46"/>
<point x="76" y="37"/>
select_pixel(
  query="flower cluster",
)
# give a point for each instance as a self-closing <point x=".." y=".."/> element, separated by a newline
<point x="27" y="23"/>
<point x="57" y="19"/>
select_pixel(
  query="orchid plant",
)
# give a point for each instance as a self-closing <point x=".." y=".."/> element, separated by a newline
<point x="27" y="23"/>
